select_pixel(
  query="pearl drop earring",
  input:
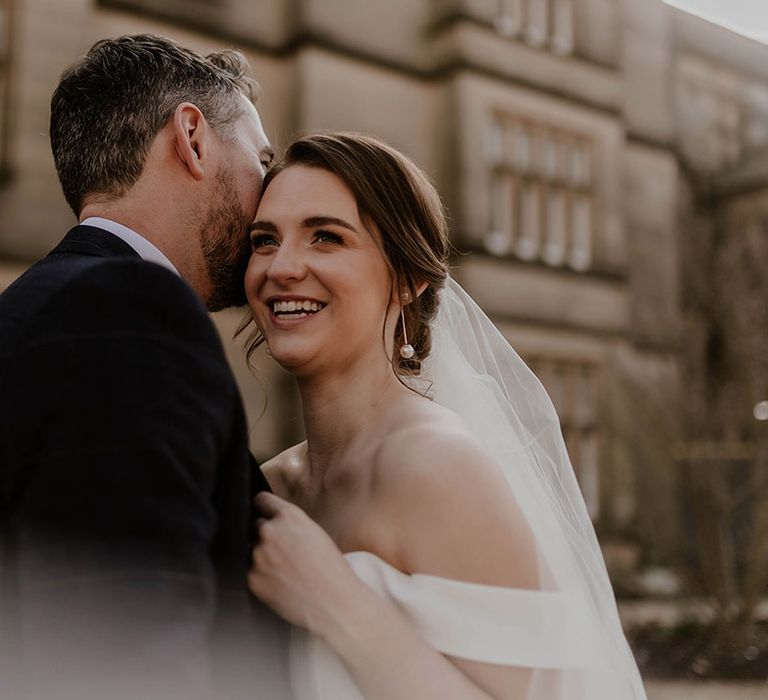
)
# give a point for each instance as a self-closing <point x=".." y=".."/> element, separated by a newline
<point x="406" y="351"/>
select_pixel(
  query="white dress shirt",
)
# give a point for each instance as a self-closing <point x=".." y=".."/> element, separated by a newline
<point x="145" y="249"/>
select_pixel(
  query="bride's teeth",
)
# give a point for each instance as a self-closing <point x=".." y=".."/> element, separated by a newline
<point x="286" y="307"/>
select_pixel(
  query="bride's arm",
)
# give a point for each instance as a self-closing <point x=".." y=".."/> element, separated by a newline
<point x="299" y="572"/>
<point x="456" y="519"/>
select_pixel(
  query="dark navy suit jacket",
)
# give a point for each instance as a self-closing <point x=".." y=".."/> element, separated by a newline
<point x="125" y="488"/>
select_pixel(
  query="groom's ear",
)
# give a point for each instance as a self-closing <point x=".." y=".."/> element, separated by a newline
<point x="191" y="132"/>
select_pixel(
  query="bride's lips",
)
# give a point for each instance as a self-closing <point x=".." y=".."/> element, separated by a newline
<point x="289" y="311"/>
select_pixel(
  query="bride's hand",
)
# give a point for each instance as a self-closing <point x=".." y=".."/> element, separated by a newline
<point x="296" y="568"/>
<point x="300" y="573"/>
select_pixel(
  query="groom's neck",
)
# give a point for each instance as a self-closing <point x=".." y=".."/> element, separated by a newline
<point x="161" y="227"/>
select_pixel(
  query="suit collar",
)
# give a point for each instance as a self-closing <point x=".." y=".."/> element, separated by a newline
<point x="89" y="240"/>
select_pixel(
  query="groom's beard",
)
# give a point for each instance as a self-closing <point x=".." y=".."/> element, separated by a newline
<point x="224" y="240"/>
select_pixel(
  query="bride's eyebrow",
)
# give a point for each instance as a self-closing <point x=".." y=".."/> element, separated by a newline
<point x="311" y="222"/>
<point x="314" y="221"/>
<point x="266" y="226"/>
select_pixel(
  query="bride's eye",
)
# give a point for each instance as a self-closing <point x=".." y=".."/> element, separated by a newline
<point x="262" y="240"/>
<point x="328" y="237"/>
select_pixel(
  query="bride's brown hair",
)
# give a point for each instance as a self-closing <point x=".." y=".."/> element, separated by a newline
<point x="395" y="195"/>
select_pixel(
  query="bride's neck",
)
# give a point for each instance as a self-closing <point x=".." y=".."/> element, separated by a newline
<point x="345" y="410"/>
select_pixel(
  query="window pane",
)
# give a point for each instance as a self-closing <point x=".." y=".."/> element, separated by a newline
<point x="571" y="387"/>
<point x="537" y="30"/>
<point x="509" y="21"/>
<point x="499" y="238"/>
<point x="554" y="247"/>
<point x="583" y="398"/>
<point x="495" y="142"/>
<point x="538" y="152"/>
<point x="521" y="147"/>
<point x="549" y="157"/>
<point x="562" y="27"/>
<point x="563" y="159"/>
<point x="581" y="237"/>
<point x="578" y="166"/>
<point x="528" y="241"/>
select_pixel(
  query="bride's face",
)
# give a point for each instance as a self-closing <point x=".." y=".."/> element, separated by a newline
<point x="317" y="283"/>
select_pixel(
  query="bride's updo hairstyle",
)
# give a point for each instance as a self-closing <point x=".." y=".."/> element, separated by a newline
<point x="393" y="194"/>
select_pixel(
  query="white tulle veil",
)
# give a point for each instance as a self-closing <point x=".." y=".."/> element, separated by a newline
<point x="473" y="371"/>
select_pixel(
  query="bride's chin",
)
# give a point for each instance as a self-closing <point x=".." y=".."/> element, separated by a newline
<point x="293" y="361"/>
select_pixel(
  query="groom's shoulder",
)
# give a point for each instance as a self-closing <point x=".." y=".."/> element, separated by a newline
<point x="57" y="276"/>
<point x="136" y="281"/>
<point x="77" y="295"/>
<point x="130" y="293"/>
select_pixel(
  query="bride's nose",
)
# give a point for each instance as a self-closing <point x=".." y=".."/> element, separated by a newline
<point x="288" y="263"/>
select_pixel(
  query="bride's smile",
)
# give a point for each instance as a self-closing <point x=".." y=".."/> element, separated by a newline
<point x="289" y="311"/>
<point x="318" y="284"/>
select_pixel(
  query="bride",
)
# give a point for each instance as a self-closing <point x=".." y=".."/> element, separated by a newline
<point x="428" y="540"/>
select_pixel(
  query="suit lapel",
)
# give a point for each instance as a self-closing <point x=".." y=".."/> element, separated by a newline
<point x="89" y="240"/>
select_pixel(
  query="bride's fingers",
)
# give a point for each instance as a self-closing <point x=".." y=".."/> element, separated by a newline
<point x="269" y="504"/>
<point x="258" y="526"/>
<point x="258" y="584"/>
<point x="268" y="538"/>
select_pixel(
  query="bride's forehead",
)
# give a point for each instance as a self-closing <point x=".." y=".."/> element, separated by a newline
<point x="301" y="192"/>
<point x="310" y="181"/>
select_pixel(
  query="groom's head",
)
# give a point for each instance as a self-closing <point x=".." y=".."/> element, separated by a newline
<point x="139" y="114"/>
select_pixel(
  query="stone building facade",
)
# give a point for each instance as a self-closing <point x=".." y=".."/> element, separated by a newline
<point x="566" y="137"/>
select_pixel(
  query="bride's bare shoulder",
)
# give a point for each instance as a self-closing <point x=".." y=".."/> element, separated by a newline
<point x="431" y="447"/>
<point x="284" y="468"/>
<point x="434" y="478"/>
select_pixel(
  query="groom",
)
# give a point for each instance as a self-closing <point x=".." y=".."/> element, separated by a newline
<point x="125" y="477"/>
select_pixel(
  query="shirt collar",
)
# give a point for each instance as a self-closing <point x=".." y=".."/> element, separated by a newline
<point x="145" y="249"/>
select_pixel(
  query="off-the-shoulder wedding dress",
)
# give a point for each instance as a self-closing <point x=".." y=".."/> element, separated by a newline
<point x="568" y="631"/>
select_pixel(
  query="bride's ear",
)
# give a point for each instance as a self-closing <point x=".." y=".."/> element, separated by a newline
<point x="403" y="296"/>
<point x="406" y="294"/>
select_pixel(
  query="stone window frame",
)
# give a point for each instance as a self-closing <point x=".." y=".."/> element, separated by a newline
<point x="535" y="171"/>
<point x="564" y="378"/>
<point x="546" y="24"/>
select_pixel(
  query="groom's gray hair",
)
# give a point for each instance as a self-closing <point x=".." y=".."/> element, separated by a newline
<point x="110" y="105"/>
